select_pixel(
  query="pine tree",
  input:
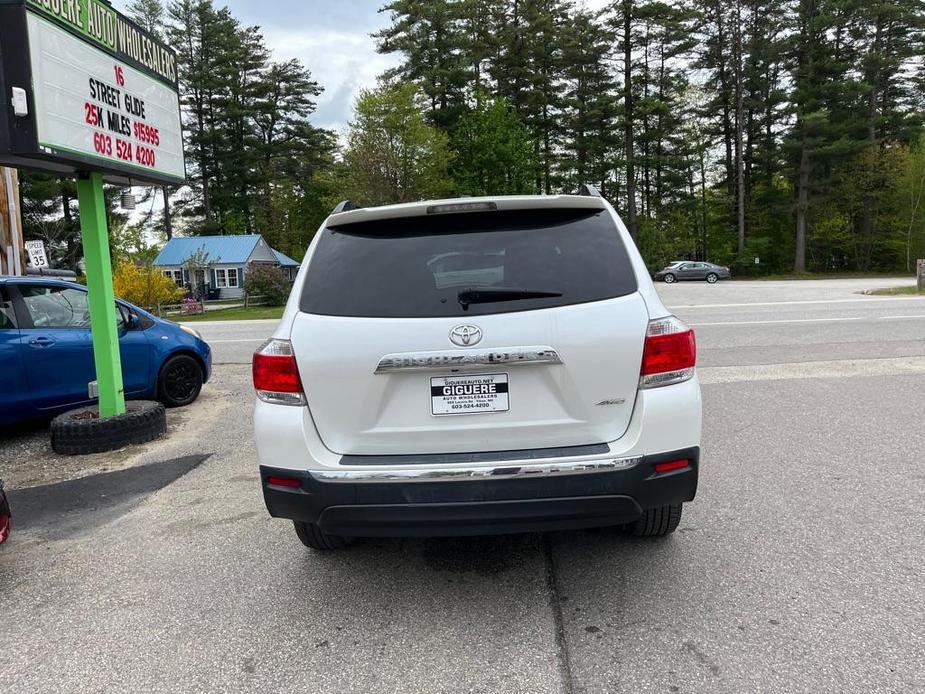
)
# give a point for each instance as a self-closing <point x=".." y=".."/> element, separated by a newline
<point x="888" y="34"/>
<point x="666" y="40"/>
<point x="149" y="15"/>
<point x="590" y="135"/>
<point x="428" y="34"/>
<point x="623" y="26"/>
<point x="822" y="87"/>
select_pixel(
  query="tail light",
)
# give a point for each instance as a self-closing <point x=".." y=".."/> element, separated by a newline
<point x="672" y="465"/>
<point x="290" y="482"/>
<point x="276" y="375"/>
<point x="670" y="353"/>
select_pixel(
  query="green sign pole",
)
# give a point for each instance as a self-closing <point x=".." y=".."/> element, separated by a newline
<point x="102" y="301"/>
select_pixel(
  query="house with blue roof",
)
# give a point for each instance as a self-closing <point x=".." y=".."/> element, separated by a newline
<point x="228" y="259"/>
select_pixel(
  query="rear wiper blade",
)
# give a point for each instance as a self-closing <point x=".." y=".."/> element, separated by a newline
<point x="490" y="295"/>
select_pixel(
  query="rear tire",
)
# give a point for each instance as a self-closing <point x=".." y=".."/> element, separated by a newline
<point x="312" y="537"/>
<point x="669" y="279"/>
<point x="712" y="278"/>
<point x="657" y="522"/>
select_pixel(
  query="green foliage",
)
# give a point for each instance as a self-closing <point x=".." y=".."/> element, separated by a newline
<point x="494" y="152"/>
<point x="269" y="282"/>
<point x="430" y="34"/>
<point x="144" y="285"/>
<point x="694" y="112"/>
<point x="392" y="154"/>
<point x="722" y="130"/>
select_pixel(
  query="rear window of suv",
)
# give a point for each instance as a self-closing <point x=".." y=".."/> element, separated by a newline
<point x="467" y="264"/>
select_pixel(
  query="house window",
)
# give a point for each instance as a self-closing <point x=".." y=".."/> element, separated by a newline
<point x="175" y="275"/>
<point x="225" y="278"/>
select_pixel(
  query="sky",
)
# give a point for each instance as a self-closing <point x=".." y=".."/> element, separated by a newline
<point x="330" y="37"/>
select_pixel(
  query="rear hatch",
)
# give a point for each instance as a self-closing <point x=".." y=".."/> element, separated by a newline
<point x="466" y="332"/>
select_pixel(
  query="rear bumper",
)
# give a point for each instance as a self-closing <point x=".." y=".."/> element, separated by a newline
<point x="511" y="500"/>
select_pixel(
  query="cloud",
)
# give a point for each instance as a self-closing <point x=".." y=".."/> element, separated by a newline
<point x="340" y="61"/>
<point x="332" y="39"/>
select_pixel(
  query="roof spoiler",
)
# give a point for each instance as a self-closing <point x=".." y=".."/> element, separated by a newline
<point x="589" y="190"/>
<point x="345" y="206"/>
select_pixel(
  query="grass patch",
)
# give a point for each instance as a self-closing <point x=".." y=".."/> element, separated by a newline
<point x="240" y="313"/>
<point x="896" y="291"/>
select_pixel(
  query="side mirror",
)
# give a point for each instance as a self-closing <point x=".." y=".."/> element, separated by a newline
<point x="134" y="322"/>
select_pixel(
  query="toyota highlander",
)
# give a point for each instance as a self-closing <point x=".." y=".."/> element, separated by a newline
<point x="476" y="366"/>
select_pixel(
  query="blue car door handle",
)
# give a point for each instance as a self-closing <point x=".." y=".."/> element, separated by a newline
<point x="41" y="341"/>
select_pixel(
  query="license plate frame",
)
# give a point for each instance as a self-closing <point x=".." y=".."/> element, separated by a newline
<point x="492" y="394"/>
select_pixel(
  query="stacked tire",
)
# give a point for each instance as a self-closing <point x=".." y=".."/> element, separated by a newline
<point x="82" y="431"/>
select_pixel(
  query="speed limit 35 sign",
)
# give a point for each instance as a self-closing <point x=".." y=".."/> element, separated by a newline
<point x="36" y="251"/>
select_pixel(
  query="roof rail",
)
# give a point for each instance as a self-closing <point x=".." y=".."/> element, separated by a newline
<point x="589" y="190"/>
<point x="345" y="206"/>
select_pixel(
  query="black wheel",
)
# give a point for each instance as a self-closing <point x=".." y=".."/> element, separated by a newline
<point x="670" y="279"/>
<point x="312" y="537"/>
<point x="712" y="277"/>
<point x="180" y="381"/>
<point x="657" y="522"/>
<point x="81" y="431"/>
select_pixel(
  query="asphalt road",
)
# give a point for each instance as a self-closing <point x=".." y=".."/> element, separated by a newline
<point x="798" y="568"/>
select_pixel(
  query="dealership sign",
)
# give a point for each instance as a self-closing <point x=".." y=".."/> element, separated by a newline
<point x="86" y="89"/>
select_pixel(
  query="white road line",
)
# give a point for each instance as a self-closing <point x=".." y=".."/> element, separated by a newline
<point x="803" y="320"/>
<point x="846" y="368"/>
<point x="869" y="300"/>
<point x="772" y="322"/>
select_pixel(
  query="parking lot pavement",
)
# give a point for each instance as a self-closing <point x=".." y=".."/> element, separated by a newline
<point x="758" y="292"/>
<point x="797" y="568"/>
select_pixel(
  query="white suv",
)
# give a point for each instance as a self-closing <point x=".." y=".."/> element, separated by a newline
<point x="476" y="366"/>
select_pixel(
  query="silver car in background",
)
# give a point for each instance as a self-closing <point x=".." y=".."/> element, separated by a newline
<point x="692" y="270"/>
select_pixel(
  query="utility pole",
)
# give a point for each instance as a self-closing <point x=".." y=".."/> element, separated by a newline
<point x="12" y="250"/>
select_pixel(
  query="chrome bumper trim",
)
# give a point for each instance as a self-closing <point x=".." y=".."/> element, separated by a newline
<point x="463" y="474"/>
<point x="456" y="359"/>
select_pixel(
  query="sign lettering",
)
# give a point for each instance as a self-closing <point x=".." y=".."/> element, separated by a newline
<point x="36" y="251"/>
<point x="123" y="115"/>
<point x="100" y="23"/>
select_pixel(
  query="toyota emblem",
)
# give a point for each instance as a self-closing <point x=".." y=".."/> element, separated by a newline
<point x="465" y="335"/>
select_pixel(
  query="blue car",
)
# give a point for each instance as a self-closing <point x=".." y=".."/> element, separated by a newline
<point x="46" y="353"/>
